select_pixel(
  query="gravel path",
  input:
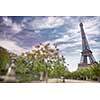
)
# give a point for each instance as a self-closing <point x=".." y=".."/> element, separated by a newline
<point x="66" y="81"/>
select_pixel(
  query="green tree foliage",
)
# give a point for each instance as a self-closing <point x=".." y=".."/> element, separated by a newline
<point x="89" y="73"/>
<point x="42" y="58"/>
<point x="58" y="68"/>
<point x="96" y="71"/>
<point x="4" y="60"/>
<point x="23" y="70"/>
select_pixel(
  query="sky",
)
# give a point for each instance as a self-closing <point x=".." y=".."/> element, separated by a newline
<point x="19" y="34"/>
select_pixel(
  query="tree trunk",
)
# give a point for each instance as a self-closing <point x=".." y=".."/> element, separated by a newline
<point x="41" y="76"/>
<point x="46" y="76"/>
<point x="98" y="79"/>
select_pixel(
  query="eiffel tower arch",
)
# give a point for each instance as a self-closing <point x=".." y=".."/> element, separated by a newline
<point x="87" y="57"/>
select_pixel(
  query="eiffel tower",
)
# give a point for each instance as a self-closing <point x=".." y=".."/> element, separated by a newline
<point x="86" y="55"/>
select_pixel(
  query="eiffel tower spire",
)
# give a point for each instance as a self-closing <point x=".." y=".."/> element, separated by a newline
<point x="86" y="54"/>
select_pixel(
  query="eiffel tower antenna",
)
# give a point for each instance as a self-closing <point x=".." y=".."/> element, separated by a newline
<point x="86" y="55"/>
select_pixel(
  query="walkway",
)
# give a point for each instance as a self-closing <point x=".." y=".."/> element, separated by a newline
<point x="66" y="81"/>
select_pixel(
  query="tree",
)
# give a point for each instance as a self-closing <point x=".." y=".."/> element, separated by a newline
<point x="41" y="56"/>
<point x="89" y="73"/>
<point x="58" y="68"/>
<point x="4" y="60"/>
<point x="96" y="71"/>
<point x="44" y="58"/>
<point x="24" y="69"/>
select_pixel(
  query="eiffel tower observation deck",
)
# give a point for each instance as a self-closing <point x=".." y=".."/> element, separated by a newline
<point x="87" y="57"/>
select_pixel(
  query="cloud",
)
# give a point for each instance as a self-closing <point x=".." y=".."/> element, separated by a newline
<point x="10" y="26"/>
<point x="97" y="51"/>
<point x="44" y="22"/>
<point x="16" y="28"/>
<point x="6" y="21"/>
<point x="12" y="46"/>
<point x="64" y="38"/>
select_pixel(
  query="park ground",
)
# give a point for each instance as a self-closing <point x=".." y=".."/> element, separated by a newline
<point x="66" y="81"/>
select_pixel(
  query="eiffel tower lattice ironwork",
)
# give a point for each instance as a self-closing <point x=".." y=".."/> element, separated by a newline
<point x="86" y="55"/>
